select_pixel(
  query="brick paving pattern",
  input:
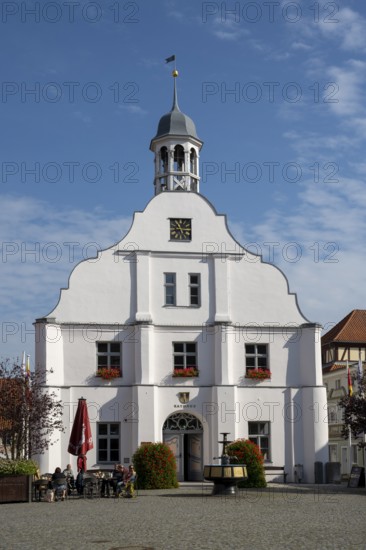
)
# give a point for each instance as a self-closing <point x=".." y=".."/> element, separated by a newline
<point x="283" y="517"/>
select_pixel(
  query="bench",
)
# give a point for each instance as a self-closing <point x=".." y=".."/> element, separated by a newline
<point x="276" y="470"/>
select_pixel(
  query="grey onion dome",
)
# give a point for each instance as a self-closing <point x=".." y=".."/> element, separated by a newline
<point x="175" y="122"/>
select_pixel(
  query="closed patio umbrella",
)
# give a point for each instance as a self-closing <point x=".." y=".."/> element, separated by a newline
<point x="81" y="440"/>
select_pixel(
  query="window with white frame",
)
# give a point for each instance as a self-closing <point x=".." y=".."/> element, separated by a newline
<point x="256" y="357"/>
<point x="170" y="289"/>
<point x="332" y="414"/>
<point x="354" y="455"/>
<point x="194" y="289"/>
<point x="332" y="453"/>
<point x="108" y="437"/>
<point x="184" y="355"/>
<point x="259" y="433"/>
<point x="109" y="356"/>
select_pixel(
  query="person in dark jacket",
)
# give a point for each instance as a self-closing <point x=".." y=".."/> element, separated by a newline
<point x="59" y="489"/>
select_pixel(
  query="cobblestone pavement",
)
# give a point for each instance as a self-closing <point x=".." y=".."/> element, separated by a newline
<point x="279" y="517"/>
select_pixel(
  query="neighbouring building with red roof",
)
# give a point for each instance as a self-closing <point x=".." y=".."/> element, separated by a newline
<point x="344" y="344"/>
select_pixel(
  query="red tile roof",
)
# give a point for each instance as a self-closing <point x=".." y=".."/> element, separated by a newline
<point x="351" y="329"/>
<point x="334" y="366"/>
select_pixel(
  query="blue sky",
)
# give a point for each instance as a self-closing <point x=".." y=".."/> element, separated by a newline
<point x="277" y="92"/>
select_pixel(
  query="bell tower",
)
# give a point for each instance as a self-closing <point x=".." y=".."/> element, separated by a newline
<point x="176" y="147"/>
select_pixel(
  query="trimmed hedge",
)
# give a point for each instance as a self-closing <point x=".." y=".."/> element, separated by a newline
<point x="17" y="467"/>
<point x="248" y="453"/>
<point x="155" y="466"/>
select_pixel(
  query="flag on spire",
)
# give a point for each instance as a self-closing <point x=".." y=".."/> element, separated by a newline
<point x="170" y="59"/>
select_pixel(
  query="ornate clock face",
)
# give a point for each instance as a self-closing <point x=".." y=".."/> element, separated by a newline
<point x="180" y="229"/>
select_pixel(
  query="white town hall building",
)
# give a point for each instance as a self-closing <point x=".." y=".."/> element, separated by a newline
<point x="205" y="337"/>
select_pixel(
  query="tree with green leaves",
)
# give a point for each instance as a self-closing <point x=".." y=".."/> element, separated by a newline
<point x="29" y="414"/>
<point x="354" y="407"/>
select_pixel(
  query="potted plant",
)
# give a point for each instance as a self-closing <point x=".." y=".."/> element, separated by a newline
<point x="258" y="374"/>
<point x="16" y="480"/>
<point x="108" y="373"/>
<point x="188" y="372"/>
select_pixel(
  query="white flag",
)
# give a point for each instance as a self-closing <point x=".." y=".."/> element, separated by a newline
<point x="359" y="371"/>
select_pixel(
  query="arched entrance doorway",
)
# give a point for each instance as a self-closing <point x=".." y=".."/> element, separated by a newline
<point x="183" y="432"/>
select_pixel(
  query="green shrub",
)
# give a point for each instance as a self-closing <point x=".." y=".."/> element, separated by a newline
<point x="17" y="467"/>
<point x="155" y="466"/>
<point x="248" y="453"/>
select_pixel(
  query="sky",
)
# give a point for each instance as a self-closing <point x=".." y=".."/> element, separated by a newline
<point x="277" y="93"/>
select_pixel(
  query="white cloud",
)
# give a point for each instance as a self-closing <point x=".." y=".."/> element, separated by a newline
<point x="228" y="29"/>
<point x="311" y="147"/>
<point x="326" y="266"/>
<point x="133" y="109"/>
<point x="346" y="26"/>
<point x="349" y="99"/>
<point x="83" y="117"/>
<point x="40" y="246"/>
<point x="300" y="46"/>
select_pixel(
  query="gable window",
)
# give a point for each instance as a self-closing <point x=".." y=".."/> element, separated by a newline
<point x="170" y="289"/>
<point x="194" y="289"/>
<point x="109" y="356"/>
<point x="108" y="436"/>
<point x="259" y="433"/>
<point x="256" y="357"/>
<point x="184" y="355"/>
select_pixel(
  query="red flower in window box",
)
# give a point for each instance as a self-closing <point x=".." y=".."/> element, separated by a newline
<point x="189" y="372"/>
<point x="108" y="373"/>
<point x="258" y="374"/>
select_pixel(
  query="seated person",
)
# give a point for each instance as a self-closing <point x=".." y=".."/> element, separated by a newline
<point x="109" y="481"/>
<point x="59" y="488"/>
<point x="81" y="467"/>
<point x="130" y="481"/>
<point x="69" y="474"/>
<point x="121" y="479"/>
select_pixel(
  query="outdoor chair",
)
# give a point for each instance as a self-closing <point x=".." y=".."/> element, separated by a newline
<point x="40" y="487"/>
<point x="91" y="487"/>
<point x="60" y="487"/>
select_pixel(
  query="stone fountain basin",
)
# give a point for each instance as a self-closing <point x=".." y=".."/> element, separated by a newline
<point x="222" y="473"/>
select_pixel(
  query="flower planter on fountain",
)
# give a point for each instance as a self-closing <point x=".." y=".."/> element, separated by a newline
<point x="225" y="476"/>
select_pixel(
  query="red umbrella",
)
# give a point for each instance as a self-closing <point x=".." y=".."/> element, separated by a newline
<point x="81" y="440"/>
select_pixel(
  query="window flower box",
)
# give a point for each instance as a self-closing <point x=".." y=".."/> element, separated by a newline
<point x="188" y="372"/>
<point x="108" y="373"/>
<point x="258" y="374"/>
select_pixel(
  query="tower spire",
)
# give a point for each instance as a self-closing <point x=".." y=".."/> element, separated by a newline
<point x="175" y="93"/>
<point x="176" y="147"/>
